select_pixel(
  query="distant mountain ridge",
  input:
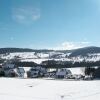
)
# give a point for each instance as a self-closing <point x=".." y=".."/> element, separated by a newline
<point x="13" y="50"/>
<point x="85" y="51"/>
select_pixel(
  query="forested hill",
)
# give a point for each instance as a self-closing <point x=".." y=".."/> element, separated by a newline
<point x="13" y="50"/>
<point x="85" y="51"/>
<point x="73" y="53"/>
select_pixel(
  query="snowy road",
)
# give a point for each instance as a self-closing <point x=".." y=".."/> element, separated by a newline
<point x="41" y="89"/>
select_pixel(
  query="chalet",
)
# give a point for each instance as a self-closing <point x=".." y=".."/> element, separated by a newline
<point x="36" y="72"/>
<point x="20" y="72"/>
<point x="62" y="73"/>
<point x="9" y="69"/>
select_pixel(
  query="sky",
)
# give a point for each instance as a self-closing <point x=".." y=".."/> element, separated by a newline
<point x="49" y="24"/>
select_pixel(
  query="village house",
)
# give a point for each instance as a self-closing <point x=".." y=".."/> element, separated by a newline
<point x="36" y="72"/>
<point x="62" y="73"/>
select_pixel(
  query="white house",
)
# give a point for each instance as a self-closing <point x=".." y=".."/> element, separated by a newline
<point x="9" y="70"/>
<point x="62" y="73"/>
<point x="20" y="72"/>
<point x="36" y="72"/>
<point x="8" y="66"/>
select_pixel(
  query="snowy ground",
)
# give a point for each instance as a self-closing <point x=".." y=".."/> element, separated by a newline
<point x="39" y="57"/>
<point x="42" y="89"/>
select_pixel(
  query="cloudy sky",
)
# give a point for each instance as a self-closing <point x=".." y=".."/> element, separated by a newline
<point x="57" y="24"/>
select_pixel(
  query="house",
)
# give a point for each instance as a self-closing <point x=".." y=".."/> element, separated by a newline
<point x="36" y="72"/>
<point x="8" y="70"/>
<point x="20" y="72"/>
<point x="62" y="73"/>
<point x="51" y="74"/>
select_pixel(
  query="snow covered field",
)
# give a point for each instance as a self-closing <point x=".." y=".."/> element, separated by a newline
<point x="42" y="89"/>
<point x="39" y="57"/>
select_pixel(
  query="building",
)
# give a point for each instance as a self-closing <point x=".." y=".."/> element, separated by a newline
<point x="62" y="73"/>
<point x="36" y="72"/>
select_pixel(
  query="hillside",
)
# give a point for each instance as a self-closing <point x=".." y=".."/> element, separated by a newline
<point x="85" y="51"/>
<point x="13" y="50"/>
<point x="31" y="55"/>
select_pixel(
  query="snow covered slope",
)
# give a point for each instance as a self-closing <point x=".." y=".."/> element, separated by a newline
<point x="32" y="56"/>
<point x="42" y="89"/>
<point x="87" y="54"/>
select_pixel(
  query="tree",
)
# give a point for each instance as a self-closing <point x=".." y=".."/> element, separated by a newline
<point x="90" y="72"/>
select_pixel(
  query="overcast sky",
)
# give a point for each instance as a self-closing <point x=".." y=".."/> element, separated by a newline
<point x="57" y="24"/>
